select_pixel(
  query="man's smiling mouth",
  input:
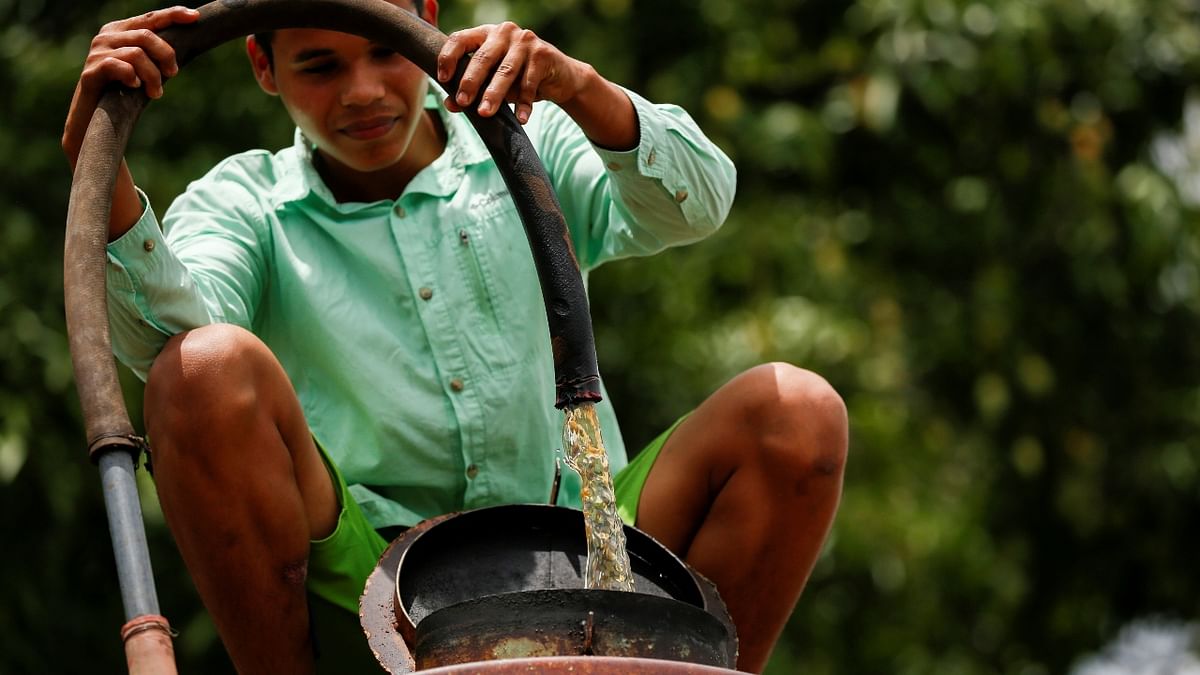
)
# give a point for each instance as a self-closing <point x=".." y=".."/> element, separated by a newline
<point x="370" y="128"/>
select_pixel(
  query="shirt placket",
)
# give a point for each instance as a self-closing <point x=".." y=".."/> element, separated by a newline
<point x="440" y="313"/>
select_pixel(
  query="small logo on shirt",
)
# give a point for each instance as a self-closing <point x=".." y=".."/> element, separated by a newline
<point x="486" y="199"/>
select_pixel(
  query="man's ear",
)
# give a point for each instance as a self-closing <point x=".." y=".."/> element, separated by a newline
<point x="263" y="71"/>
<point x="430" y="13"/>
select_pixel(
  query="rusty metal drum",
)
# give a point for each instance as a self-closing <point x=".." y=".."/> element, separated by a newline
<point x="506" y="583"/>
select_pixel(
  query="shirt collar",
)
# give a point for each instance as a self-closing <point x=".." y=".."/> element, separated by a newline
<point x="298" y="178"/>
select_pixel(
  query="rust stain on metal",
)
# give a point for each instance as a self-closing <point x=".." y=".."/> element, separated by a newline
<point x="589" y="625"/>
<point x="481" y="645"/>
<point x="580" y="665"/>
<point x="520" y="647"/>
<point x="384" y="626"/>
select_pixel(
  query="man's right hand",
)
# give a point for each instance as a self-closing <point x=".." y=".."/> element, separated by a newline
<point x="128" y="52"/>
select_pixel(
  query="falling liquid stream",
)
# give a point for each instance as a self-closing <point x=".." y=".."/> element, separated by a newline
<point x="607" y="560"/>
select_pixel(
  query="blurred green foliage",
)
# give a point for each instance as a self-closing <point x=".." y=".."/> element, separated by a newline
<point x="979" y="220"/>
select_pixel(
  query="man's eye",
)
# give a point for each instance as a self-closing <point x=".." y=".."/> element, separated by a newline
<point x="383" y="53"/>
<point x="320" y="68"/>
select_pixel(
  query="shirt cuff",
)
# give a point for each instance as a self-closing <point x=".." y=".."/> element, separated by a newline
<point x="642" y="157"/>
<point x="135" y="251"/>
<point x="652" y="158"/>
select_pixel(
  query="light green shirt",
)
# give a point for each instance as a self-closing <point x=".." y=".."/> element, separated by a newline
<point x="413" y="330"/>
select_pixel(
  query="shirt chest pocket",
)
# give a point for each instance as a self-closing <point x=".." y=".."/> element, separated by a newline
<point x="494" y="259"/>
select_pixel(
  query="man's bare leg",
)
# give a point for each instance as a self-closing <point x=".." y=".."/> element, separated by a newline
<point x="243" y="489"/>
<point x="746" y="489"/>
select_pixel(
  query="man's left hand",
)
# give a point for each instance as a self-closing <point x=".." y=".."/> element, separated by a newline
<point x="527" y="69"/>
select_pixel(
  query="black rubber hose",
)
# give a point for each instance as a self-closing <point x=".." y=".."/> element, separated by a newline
<point x="105" y="417"/>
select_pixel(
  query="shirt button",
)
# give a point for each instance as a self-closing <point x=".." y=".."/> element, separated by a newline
<point x="148" y="245"/>
<point x="614" y="166"/>
<point x="456" y="384"/>
<point x="650" y="158"/>
<point x="425" y="292"/>
<point x="681" y="195"/>
<point x="472" y="471"/>
<point x="400" y="211"/>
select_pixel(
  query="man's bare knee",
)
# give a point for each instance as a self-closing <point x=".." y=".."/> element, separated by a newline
<point x="800" y="417"/>
<point x="197" y="357"/>
<point x="205" y="372"/>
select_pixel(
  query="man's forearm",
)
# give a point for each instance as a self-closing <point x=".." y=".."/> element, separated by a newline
<point x="604" y="112"/>
<point x="126" y="207"/>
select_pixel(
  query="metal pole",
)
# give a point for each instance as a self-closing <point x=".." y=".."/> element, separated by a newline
<point x="128" y="534"/>
<point x="146" y="633"/>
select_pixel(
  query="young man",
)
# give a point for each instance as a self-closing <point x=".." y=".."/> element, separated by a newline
<point x="348" y="334"/>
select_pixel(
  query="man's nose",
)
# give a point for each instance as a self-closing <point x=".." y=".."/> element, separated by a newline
<point x="363" y="86"/>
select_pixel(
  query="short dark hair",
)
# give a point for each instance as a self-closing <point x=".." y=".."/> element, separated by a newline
<point x="264" y="39"/>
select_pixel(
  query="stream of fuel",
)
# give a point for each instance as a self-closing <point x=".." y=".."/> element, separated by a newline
<point x="607" y="560"/>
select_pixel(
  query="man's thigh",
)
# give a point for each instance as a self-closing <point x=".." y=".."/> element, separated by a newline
<point x="630" y="481"/>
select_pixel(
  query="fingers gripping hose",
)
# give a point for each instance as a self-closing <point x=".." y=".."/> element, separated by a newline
<point x="105" y="417"/>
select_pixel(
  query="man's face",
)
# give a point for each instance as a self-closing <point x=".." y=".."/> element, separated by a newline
<point x="358" y="101"/>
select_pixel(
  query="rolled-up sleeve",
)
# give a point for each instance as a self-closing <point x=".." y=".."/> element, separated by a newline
<point x="674" y="188"/>
<point x="150" y="294"/>
<point x="208" y="267"/>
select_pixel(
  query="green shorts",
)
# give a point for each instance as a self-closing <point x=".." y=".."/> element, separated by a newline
<point x="338" y="565"/>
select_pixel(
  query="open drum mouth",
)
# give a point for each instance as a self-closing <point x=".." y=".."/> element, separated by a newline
<point x="508" y="582"/>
